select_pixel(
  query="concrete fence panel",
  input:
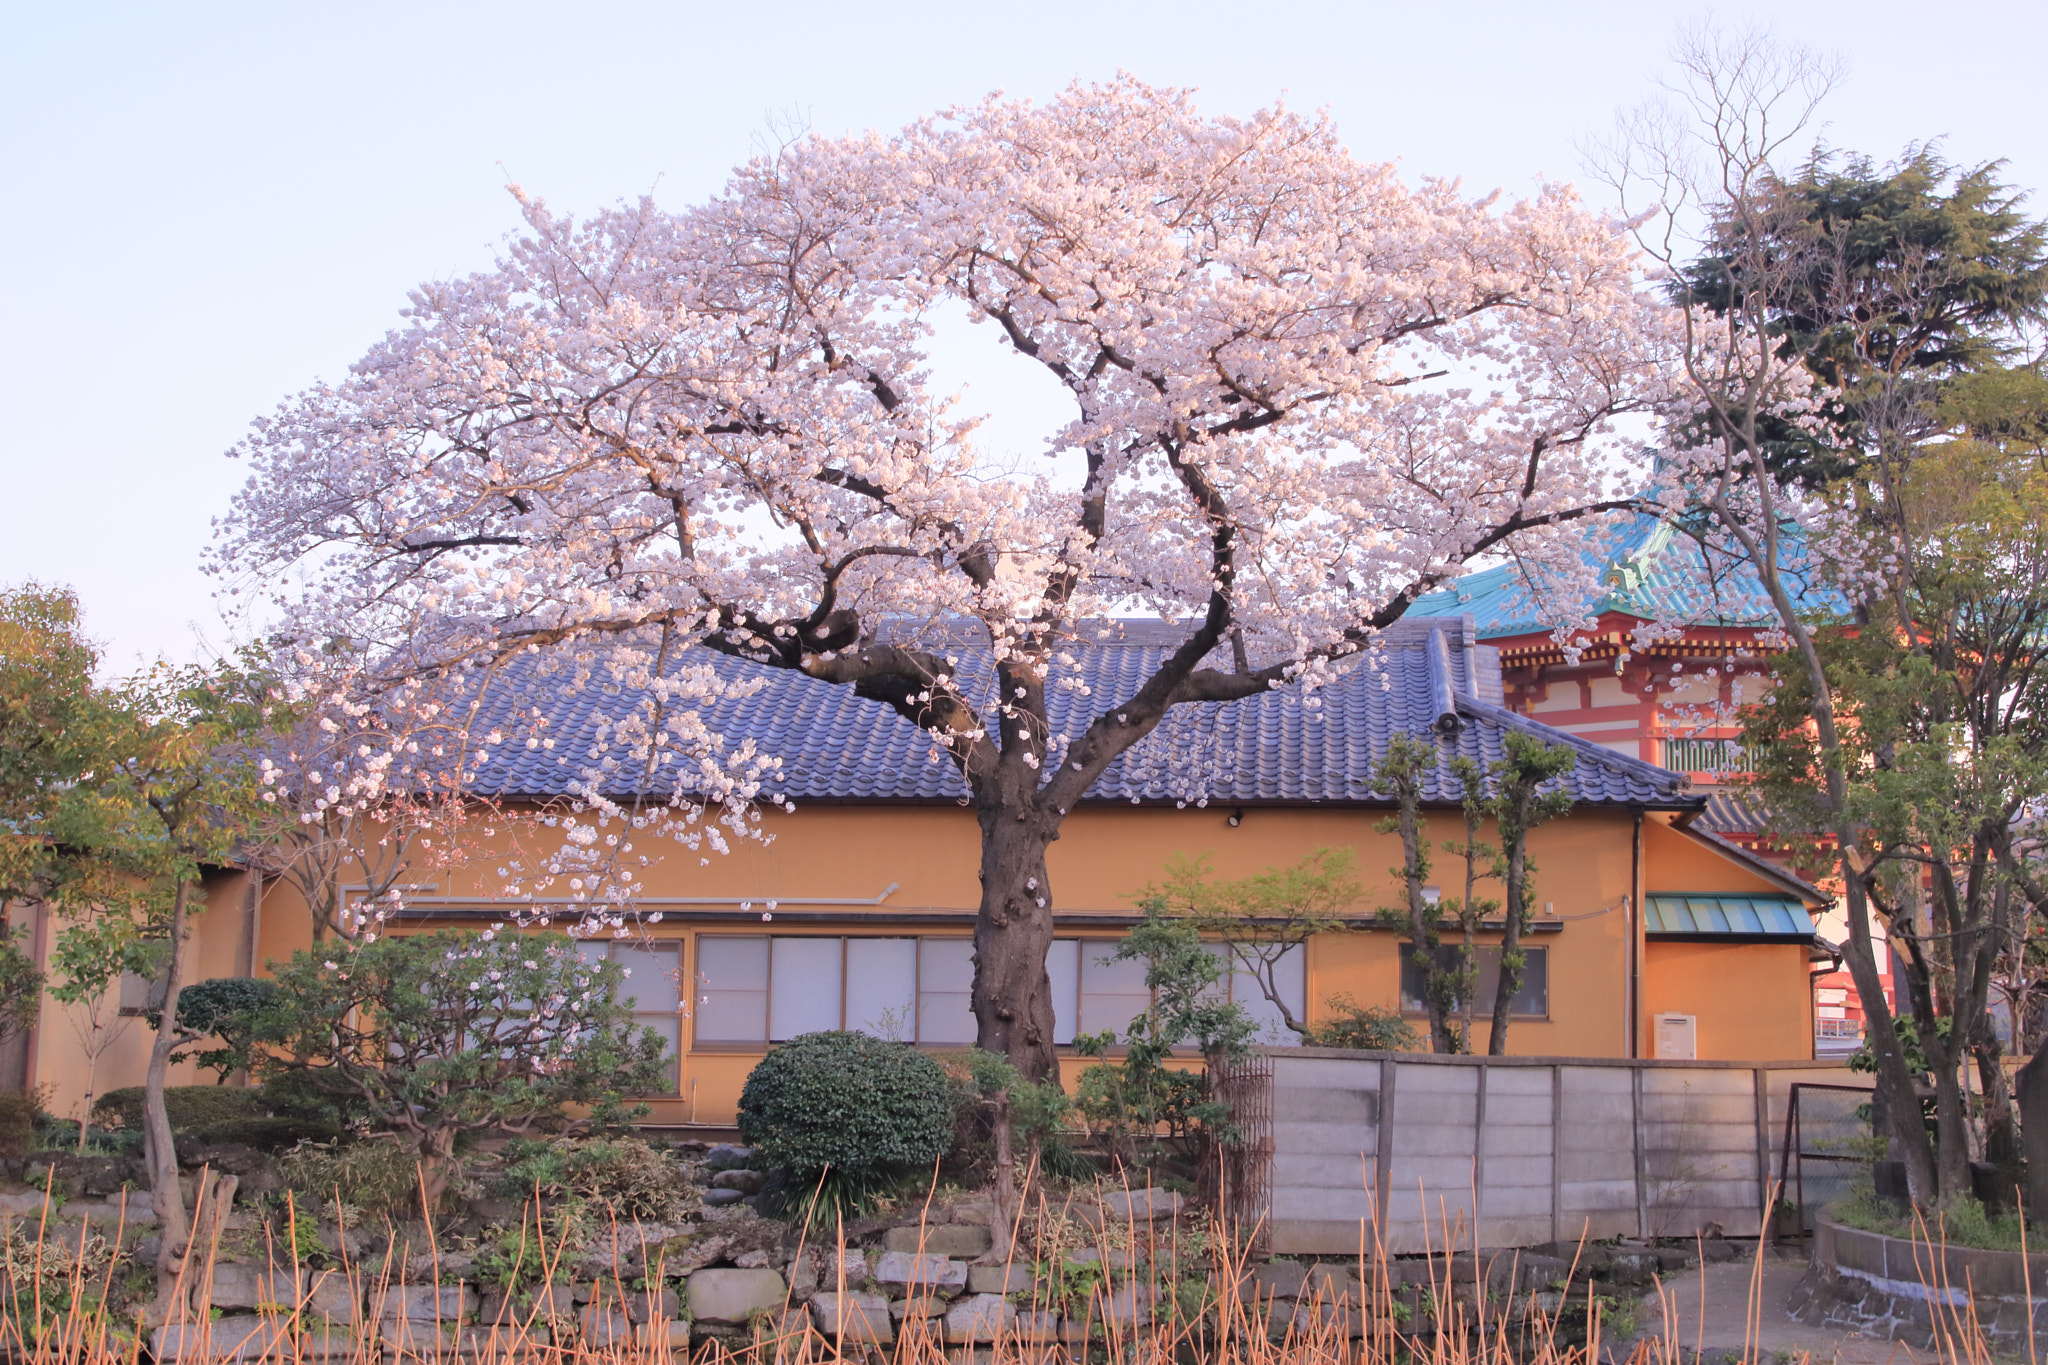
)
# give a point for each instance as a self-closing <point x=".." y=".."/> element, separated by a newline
<point x="1409" y="1152"/>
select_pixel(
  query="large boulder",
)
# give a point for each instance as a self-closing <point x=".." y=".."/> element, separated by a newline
<point x="729" y="1297"/>
<point x="979" y="1317"/>
<point x="853" y="1317"/>
<point x="920" y="1272"/>
<point x="944" y="1239"/>
<point x="237" y="1338"/>
<point x="1141" y="1206"/>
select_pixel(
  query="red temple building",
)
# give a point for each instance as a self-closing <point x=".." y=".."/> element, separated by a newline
<point x="1670" y="702"/>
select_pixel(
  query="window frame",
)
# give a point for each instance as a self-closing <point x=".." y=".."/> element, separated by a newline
<point x="1087" y="948"/>
<point x="1484" y="1007"/>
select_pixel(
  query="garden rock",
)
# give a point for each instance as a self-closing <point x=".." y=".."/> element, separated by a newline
<point x="244" y="1338"/>
<point x="917" y="1306"/>
<point x="965" y="1241"/>
<point x="1330" y="1285"/>
<point x="802" y="1275"/>
<point x="853" y="1317"/>
<point x="535" y="1305"/>
<point x="729" y="1296"/>
<point x="107" y="1215"/>
<point x="746" y="1182"/>
<point x="604" y="1328"/>
<point x="728" y="1156"/>
<point x="925" y="1272"/>
<point x="1324" y="1316"/>
<point x="979" y="1317"/>
<point x="1141" y="1206"/>
<point x="718" y="1199"/>
<point x="1279" y="1280"/>
<point x="1036" y="1326"/>
<point x="425" y="1303"/>
<point x="26" y="1204"/>
<point x="330" y="1297"/>
<point x="847" y="1267"/>
<point x="998" y="1279"/>
<point x="408" y="1337"/>
<point x="976" y="1211"/>
<point x="1130" y="1306"/>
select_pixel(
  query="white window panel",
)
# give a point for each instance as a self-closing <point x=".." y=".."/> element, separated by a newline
<point x="881" y="987"/>
<point x="650" y="984"/>
<point x="803" y="986"/>
<point x="1290" y="977"/>
<point x="945" y="982"/>
<point x="1113" y="991"/>
<point x="732" y="989"/>
<point x="1063" y="967"/>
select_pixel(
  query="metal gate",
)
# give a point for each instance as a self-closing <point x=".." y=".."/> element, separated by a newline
<point x="1824" y="1125"/>
<point x="1245" y="1162"/>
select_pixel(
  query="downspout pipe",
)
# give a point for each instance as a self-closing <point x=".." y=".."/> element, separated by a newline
<point x="1632" y="1030"/>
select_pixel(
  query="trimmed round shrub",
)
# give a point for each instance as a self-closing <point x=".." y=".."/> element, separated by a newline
<point x="847" y="1103"/>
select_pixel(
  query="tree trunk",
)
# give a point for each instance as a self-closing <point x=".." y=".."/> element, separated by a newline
<point x="165" y="1198"/>
<point x="437" y="1167"/>
<point x="1012" y="997"/>
<point x="1901" y="1098"/>
<point x="2032" y="1084"/>
<point x="1952" y="1133"/>
<point x="2001" y="1131"/>
<point x="1006" y="1177"/>
<point x="1516" y="841"/>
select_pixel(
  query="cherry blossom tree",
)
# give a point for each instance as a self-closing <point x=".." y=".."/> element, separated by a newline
<point x="1303" y="392"/>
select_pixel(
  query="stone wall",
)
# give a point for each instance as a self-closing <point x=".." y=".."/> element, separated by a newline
<point x="1926" y="1296"/>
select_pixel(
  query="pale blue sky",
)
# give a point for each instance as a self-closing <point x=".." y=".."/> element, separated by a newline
<point x="210" y="205"/>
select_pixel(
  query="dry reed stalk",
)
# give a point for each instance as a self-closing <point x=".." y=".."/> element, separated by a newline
<point x="1231" y="1328"/>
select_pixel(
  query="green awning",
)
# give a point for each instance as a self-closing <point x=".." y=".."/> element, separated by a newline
<point x="1726" y="917"/>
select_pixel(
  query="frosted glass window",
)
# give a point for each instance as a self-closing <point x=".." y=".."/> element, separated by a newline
<point x="1113" y="992"/>
<point x="650" y="984"/>
<point x="1290" y="977"/>
<point x="945" y="981"/>
<point x="732" y="989"/>
<point x="803" y="986"/>
<point x="1063" y="967"/>
<point x="881" y="987"/>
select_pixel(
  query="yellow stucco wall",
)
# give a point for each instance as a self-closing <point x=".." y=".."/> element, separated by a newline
<point x="1585" y="867"/>
<point x="1751" y="999"/>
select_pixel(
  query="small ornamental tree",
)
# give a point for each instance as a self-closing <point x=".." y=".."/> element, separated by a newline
<point x="436" y="1035"/>
<point x="226" y="1011"/>
<point x="1261" y="918"/>
<point x="1516" y="793"/>
<point x="1302" y="394"/>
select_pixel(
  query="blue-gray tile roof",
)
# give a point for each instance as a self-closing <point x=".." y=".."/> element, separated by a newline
<point x="1285" y="746"/>
<point x="1651" y="571"/>
<point x="1721" y="916"/>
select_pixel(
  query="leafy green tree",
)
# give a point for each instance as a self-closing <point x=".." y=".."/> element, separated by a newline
<point x="438" y="1035"/>
<point x="1855" y="308"/>
<point x="1885" y="282"/>
<point x="1261" y="918"/>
